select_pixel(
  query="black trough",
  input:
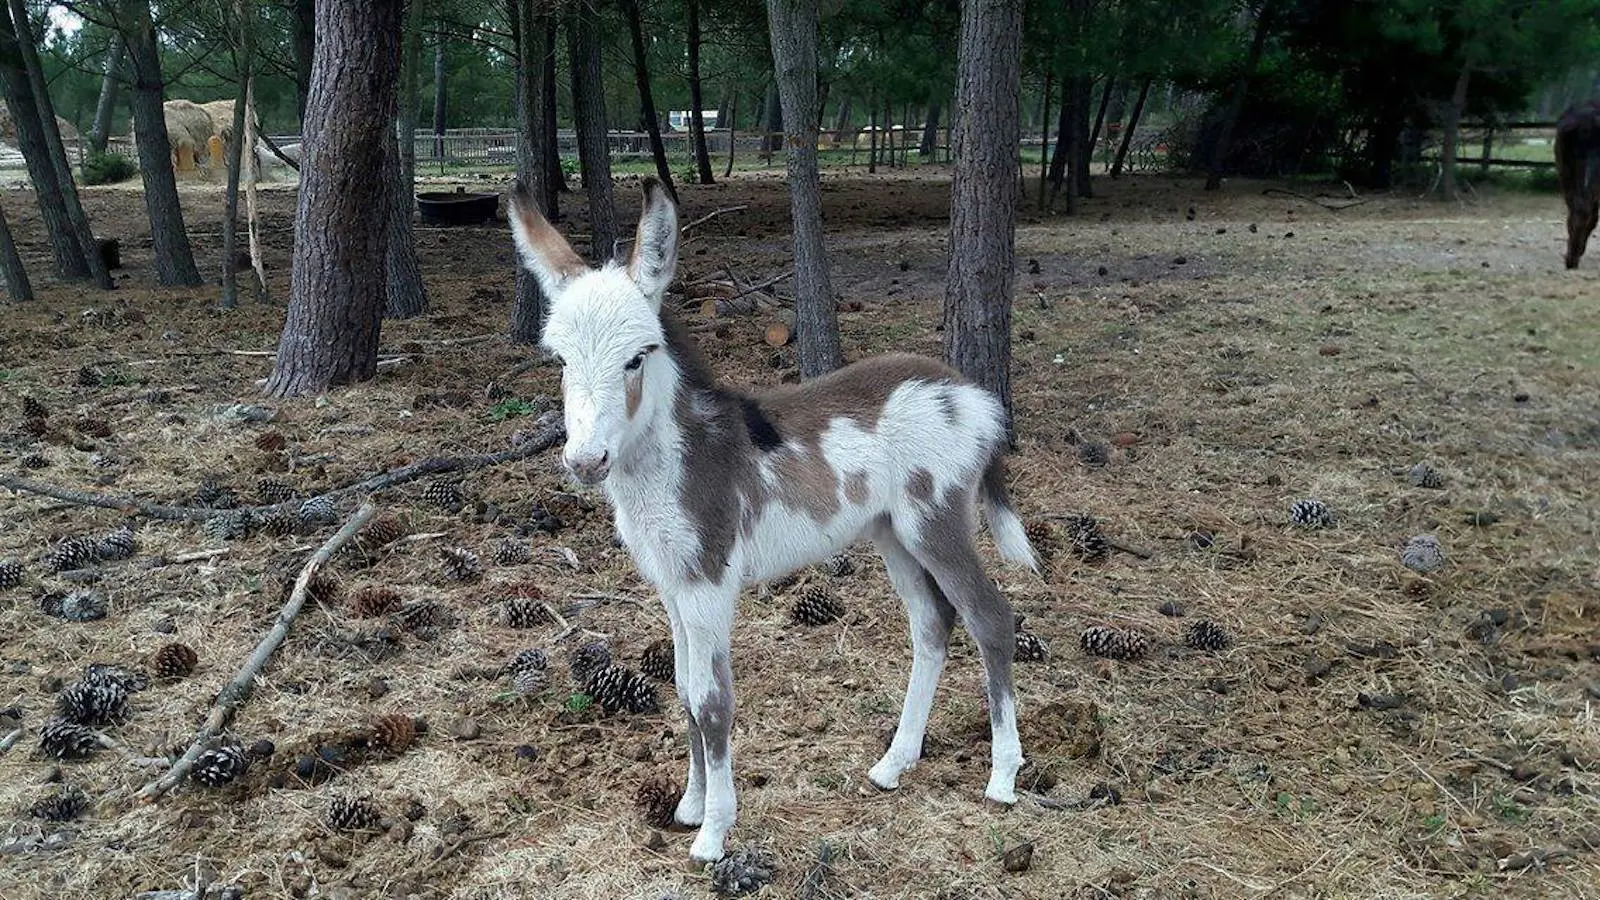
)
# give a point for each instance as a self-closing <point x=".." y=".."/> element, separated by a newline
<point x="458" y="208"/>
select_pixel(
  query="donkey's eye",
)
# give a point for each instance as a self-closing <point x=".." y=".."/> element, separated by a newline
<point x="634" y="364"/>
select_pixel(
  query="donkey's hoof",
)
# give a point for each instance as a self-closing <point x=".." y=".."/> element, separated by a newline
<point x="885" y="776"/>
<point x="707" y="848"/>
<point x="1001" y="796"/>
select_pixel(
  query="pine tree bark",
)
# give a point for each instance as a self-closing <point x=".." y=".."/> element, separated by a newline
<point x="771" y="121"/>
<point x="236" y="157"/>
<point x="555" y="178"/>
<point x="793" y="24"/>
<point x="1063" y="149"/>
<point x="528" y="308"/>
<point x="69" y="257"/>
<point x="1218" y="156"/>
<point x="1100" y="113"/>
<point x="697" y="119"/>
<point x="440" y="94"/>
<point x="647" y="101"/>
<point x="173" y="255"/>
<point x="1127" y="133"/>
<point x="930" y="129"/>
<point x="1082" y="149"/>
<point x="407" y="294"/>
<point x="1451" y="141"/>
<point x="589" y="115"/>
<point x="304" y="38"/>
<point x="341" y="235"/>
<point x="18" y="288"/>
<point x="984" y="194"/>
<point x="110" y="86"/>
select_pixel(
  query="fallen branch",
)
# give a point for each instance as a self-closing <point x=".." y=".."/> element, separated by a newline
<point x="10" y="740"/>
<point x="1310" y="199"/>
<point x="763" y="285"/>
<point x="235" y="692"/>
<point x="453" y="848"/>
<point x="1111" y="542"/>
<point x="196" y="556"/>
<point x="712" y="215"/>
<point x="438" y="465"/>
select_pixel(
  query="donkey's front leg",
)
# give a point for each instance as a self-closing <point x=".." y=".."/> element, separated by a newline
<point x="705" y="685"/>
<point x="691" y="809"/>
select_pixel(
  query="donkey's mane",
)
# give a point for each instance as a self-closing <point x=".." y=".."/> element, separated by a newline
<point x="698" y="377"/>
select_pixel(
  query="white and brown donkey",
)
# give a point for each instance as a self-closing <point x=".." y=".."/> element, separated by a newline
<point x="714" y="490"/>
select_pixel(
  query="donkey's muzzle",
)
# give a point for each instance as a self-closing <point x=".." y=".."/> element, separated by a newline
<point x="590" y="469"/>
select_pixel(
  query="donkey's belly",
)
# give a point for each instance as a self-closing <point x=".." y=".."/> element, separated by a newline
<point x="783" y="540"/>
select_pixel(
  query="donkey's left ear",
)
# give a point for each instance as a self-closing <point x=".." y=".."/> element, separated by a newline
<point x="542" y="249"/>
<point x="654" y="260"/>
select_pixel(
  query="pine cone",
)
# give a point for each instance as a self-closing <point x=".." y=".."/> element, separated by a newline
<point x="95" y="428"/>
<point x="1207" y="635"/>
<point x="317" y="511"/>
<point x="280" y="523"/>
<point x="61" y="739"/>
<point x="446" y="495"/>
<point x="657" y="800"/>
<point x="1042" y="535"/>
<point x="10" y="574"/>
<point x="394" y="732"/>
<point x="1031" y="647"/>
<point x="527" y="661"/>
<point x="588" y="659"/>
<point x="1087" y="542"/>
<point x="270" y="442"/>
<point x="619" y="690"/>
<point x="744" y="871"/>
<point x="1094" y="454"/>
<point x="461" y="564"/>
<point x="423" y="616"/>
<point x="783" y="583"/>
<point x="323" y="589"/>
<point x="130" y="680"/>
<point x="229" y="525"/>
<point x="375" y="600"/>
<point x="60" y="806"/>
<point x="658" y="661"/>
<point x="119" y="544"/>
<point x="34" y="461"/>
<point x="215" y="768"/>
<point x="1114" y="643"/>
<point x="82" y="605"/>
<point x="353" y="814"/>
<point x="213" y="494"/>
<point x="270" y="492"/>
<point x="89" y="377"/>
<point x="383" y="531"/>
<point x="36" y="427"/>
<point x="1423" y="554"/>
<point x="1426" y="476"/>
<point x="839" y="565"/>
<point x="70" y="553"/>
<point x="1311" y="513"/>
<point x="524" y="613"/>
<point x="33" y="409"/>
<point x="174" y="661"/>
<point x="816" y="606"/>
<point x="93" y="702"/>
<point x="530" y="681"/>
<point x="511" y="552"/>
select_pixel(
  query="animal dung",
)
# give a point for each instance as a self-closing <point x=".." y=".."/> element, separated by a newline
<point x="1423" y="553"/>
<point x="1114" y="643"/>
<point x="816" y="606"/>
<point x="1206" y="635"/>
<point x="1311" y="513"/>
<point x="657" y="800"/>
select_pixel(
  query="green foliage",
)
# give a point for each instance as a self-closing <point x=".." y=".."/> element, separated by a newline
<point x="107" y="168"/>
<point x="510" y="408"/>
<point x="577" y="703"/>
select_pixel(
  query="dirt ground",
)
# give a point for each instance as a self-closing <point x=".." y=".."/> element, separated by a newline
<point x="1370" y="732"/>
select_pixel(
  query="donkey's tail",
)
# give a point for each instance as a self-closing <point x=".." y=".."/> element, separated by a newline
<point x="1009" y="534"/>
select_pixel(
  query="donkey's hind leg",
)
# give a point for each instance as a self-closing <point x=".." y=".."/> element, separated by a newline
<point x="931" y="617"/>
<point x="942" y="543"/>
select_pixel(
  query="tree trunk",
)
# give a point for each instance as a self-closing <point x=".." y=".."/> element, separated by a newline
<point x="78" y="219"/>
<point x="169" y="237"/>
<point x="71" y="262"/>
<point x="1230" y="118"/>
<point x="18" y="288"/>
<point x="304" y="38"/>
<point x="1081" y="148"/>
<point x="407" y="295"/>
<point x="1452" y="135"/>
<point x="733" y="135"/>
<point x="1044" y="140"/>
<point x="697" y="120"/>
<point x="110" y="84"/>
<point x="983" y="205"/>
<point x="589" y="115"/>
<point x="841" y="123"/>
<point x="341" y="234"/>
<point x="647" y="101"/>
<point x="793" y="25"/>
<point x="555" y="178"/>
<point x="872" y="136"/>
<point x="771" y="121"/>
<point x="1127" y="133"/>
<point x="930" y="130"/>
<point x="1100" y="114"/>
<point x="1060" y="159"/>
<point x="440" y="95"/>
<point x="236" y="156"/>
<point x="528" y="308"/>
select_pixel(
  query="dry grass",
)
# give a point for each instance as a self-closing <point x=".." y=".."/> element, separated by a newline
<point x="1260" y="370"/>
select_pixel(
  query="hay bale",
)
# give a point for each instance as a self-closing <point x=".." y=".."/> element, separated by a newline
<point x="8" y="128"/>
<point x="189" y="126"/>
<point x="221" y="112"/>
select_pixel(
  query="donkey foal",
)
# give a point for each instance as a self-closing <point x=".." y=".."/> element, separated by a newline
<point x="714" y="490"/>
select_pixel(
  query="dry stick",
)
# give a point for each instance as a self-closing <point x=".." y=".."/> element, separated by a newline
<point x="712" y="215"/>
<point x="196" y="556"/>
<point x="10" y="740"/>
<point x="762" y="286"/>
<point x="1310" y="199"/>
<point x="1111" y="542"/>
<point x="234" y="694"/>
<point x="437" y="465"/>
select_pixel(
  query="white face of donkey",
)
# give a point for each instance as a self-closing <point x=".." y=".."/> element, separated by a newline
<point x="604" y="325"/>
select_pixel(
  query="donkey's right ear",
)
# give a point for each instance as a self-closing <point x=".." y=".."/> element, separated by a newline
<point x="543" y="250"/>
